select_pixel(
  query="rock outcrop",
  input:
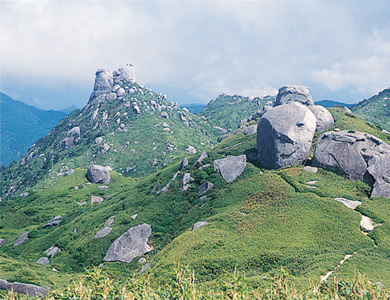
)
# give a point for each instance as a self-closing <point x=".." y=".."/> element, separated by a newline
<point x="284" y="135"/>
<point x="23" y="288"/>
<point x="52" y="251"/>
<point x="294" y="93"/>
<point x="53" y="222"/>
<point x="230" y="167"/>
<point x="199" y="224"/>
<point x="323" y="116"/>
<point x="205" y="187"/>
<point x="21" y="239"/>
<point x="43" y="261"/>
<point x="131" y="244"/>
<point x="98" y="174"/>
<point x="357" y="156"/>
<point x="200" y="159"/>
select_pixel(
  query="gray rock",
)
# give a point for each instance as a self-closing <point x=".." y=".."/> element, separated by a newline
<point x="348" y="203"/>
<point x="198" y="162"/>
<point x="103" y="232"/>
<point x="43" y="261"/>
<point x="24" y="195"/>
<point x="98" y="140"/>
<point x="251" y="130"/>
<point x="103" y="187"/>
<point x="184" y="163"/>
<point x="225" y="136"/>
<point x="262" y="111"/>
<point x="126" y="73"/>
<point x="201" y="199"/>
<point x="120" y="92"/>
<point x="204" y="166"/>
<point x="131" y="244"/>
<point x="68" y="143"/>
<point x="133" y="217"/>
<point x="199" y="224"/>
<point x="53" y="222"/>
<point x="186" y="180"/>
<point x="311" y="169"/>
<point x="2" y="241"/>
<point x="293" y="93"/>
<point x="142" y="260"/>
<point x="191" y="149"/>
<point x="205" y="187"/>
<point x="23" y="288"/>
<point x="241" y="129"/>
<point x="323" y="116"/>
<point x="136" y="109"/>
<point x="111" y="97"/>
<point x="284" y="135"/>
<point x="52" y="251"/>
<point x="21" y="239"/>
<point x="98" y="174"/>
<point x="230" y="167"/>
<point x="75" y="131"/>
<point x="357" y="156"/>
<point x="96" y="199"/>
<point x="164" y="189"/>
<point x="109" y="221"/>
<point x="144" y="268"/>
<point x="165" y="115"/>
<point x="103" y="85"/>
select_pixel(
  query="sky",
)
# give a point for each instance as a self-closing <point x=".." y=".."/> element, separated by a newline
<point x="194" y="50"/>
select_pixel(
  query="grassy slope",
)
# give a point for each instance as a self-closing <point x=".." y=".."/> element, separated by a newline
<point x="257" y="224"/>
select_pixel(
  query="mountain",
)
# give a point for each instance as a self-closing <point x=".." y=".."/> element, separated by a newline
<point x="376" y="109"/>
<point x="261" y="223"/>
<point x="227" y="111"/>
<point x="21" y="125"/>
<point x="69" y="109"/>
<point x="194" y="108"/>
<point x="124" y="125"/>
<point x="331" y="103"/>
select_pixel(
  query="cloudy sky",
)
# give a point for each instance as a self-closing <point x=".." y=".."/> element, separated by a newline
<point x="194" y="50"/>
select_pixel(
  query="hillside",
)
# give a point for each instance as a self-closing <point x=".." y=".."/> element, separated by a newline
<point x="136" y="133"/>
<point x="331" y="103"/>
<point x="226" y="112"/>
<point x="262" y="221"/>
<point x="376" y="109"/>
<point x="21" y="125"/>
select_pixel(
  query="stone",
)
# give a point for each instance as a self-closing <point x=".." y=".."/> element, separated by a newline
<point x="199" y="224"/>
<point x="127" y="73"/>
<point x="103" y="187"/>
<point x="103" y="84"/>
<point x="225" y="136"/>
<point x="184" y="163"/>
<point x="205" y="187"/>
<point x="111" y="97"/>
<point x="310" y="169"/>
<point x="103" y="232"/>
<point x="201" y="199"/>
<point x="136" y="109"/>
<point x="263" y="110"/>
<point x="185" y="181"/>
<point x="323" y="116"/>
<point x="367" y="224"/>
<point x="133" y="217"/>
<point x="312" y="182"/>
<point x="191" y="149"/>
<point x="120" y="92"/>
<point x="43" y="261"/>
<point x="230" y="167"/>
<point x="356" y="156"/>
<point x="204" y="166"/>
<point x="293" y="93"/>
<point x="75" y="131"/>
<point x="109" y="221"/>
<point x="96" y="199"/>
<point x="164" y="189"/>
<point x="23" y="288"/>
<point x="98" y="140"/>
<point x="24" y="195"/>
<point x="131" y="244"/>
<point x="21" y="239"/>
<point x="352" y="204"/>
<point x="2" y="241"/>
<point x="198" y="162"/>
<point x="53" y="222"/>
<point x="68" y="143"/>
<point x="165" y="115"/>
<point x="142" y="260"/>
<point x="284" y="135"/>
<point x="52" y="251"/>
<point x="98" y="174"/>
<point x="144" y="268"/>
<point x="251" y="130"/>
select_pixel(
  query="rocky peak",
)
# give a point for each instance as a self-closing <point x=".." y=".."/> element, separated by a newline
<point x="294" y="93"/>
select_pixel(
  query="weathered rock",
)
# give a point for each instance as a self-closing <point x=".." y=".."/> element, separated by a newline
<point x="131" y="244"/>
<point x="96" y="199"/>
<point x="184" y="163"/>
<point x="111" y="97"/>
<point x="225" y="136"/>
<point x="293" y="93"/>
<point x="263" y="110"/>
<point x="311" y="169"/>
<point x="164" y="189"/>
<point x="165" y="115"/>
<point x="230" y="167"/>
<point x="284" y="135"/>
<point x="68" y="143"/>
<point x="109" y="221"/>
<point x="98" y="140"/>
<point x="103" y="187"/>
<point x="201" y="199"/>
<point x="367" y="224"/>
<point x="133" y="217"/>
<point x="136" y="109"/>
<point x="357" y="156"/>
<point x="199" y="224"/>
<point x="205" y="187"/>
<point x="53" y="222"/>
<point x="98" y="174"/>
<point x="323" y="116"/>
<point x="24" y="195"/>
<point x="126" y="73"/>
<point x="21" y="239"/>
<point x="43" y="261"/>
<point x="198" y="162"/>
<point x="23" y="288"/>
<point x="120" y="92"/>
<point x="251" y="130"/>
<point x="52" y="251"/>
<point x="144" y="268"/>
<point x="103" y="232"/>
<point x="142" y="260"/>
<point x="352" y="204"/>
<point x="186" y="180"/>
<point x="75" y="131"/>
<point x="191" y="149"/>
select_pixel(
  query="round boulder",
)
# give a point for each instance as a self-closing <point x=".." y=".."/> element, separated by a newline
<point x="284" y="135"/>
<point x="324" y="118"/>
<point x="294" y="93"/>
<point x="98" y="174"/>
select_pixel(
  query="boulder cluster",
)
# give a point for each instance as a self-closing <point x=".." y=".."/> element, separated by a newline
<point x="285" y="134"/>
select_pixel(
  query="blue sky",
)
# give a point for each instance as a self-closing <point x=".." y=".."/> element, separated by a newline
<point x="194" y="50"/>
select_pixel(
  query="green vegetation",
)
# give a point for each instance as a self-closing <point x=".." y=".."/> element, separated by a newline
<point x="376" y="109"/>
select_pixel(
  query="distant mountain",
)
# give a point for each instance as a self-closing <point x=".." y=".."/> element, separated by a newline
<point x="21" y="126"/>
<point x="195" y="108"/>
<point x="376" y="109"/>
<point x="331" y="103"/>
<point x="69" y="109"/>
<point x="125" y="125"/>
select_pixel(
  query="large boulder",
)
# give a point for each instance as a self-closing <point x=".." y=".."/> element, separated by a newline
<point x="131" y="244"/>
<point x="284" y="135"/>
<point x="53" y="222"/>
<point x="323" y="116"/>
<point x="356" y="156"/>
<point x="293" y="93"/>
<point x="230" y="167"/>
<point x="98" y="174"/>
<point x="23" y="288"/>
<point x="21" y="239"/>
